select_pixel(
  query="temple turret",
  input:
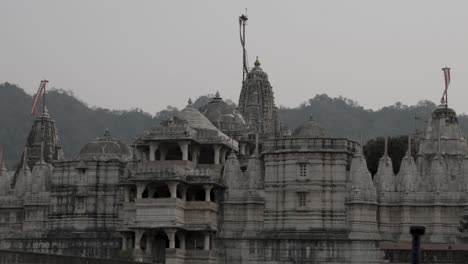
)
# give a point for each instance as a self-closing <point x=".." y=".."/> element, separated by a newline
<point x="361" y="200"/>
<point x="22" y="178"/>
<point x="257" y="103"/>
<point x="384" y="179"/>
<point x="407" y="178"/>
<point x="43" y="141"/>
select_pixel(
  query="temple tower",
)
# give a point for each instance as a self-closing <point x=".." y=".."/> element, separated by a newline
<point x="257" y="103"/>
<point x="43" y="132"/>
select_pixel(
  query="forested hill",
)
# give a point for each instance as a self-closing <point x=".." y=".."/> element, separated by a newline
<point x="78" y="123"/>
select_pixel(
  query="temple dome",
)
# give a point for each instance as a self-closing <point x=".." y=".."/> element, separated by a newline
<point x="309" y="129"/>
<point x="224" y="116"/>
<point x="195" y="119"/>
<point x="105" y="148"/>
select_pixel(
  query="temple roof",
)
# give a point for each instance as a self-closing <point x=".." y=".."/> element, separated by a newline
<point x="310" y="129"/>
<point x="224" y="116"/>
<point x="195" y="119"/>
<point x="105" y="148"/>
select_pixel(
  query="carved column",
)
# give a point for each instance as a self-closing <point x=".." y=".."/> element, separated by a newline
<point x="242" y="148"/>
<point x="162" y="152"/>
<point x="223" y="156"/>
<point x="149" y="245"/>
<point x="140" y="188"/>
<point x="152" y="151"/>
<point x="181" y="237"/>
<point x="195" y="153"/>
<point x="173" y="189"/>
<point x="124" y="242"/>
<point x="138" y="236"/>
<point x="151" y="190"/>
<point x="170" y="232"/>
<point x="207" y="242"/>
<point x="184" y="149"/>
<point x="207" y="192"/>
<point x="217" y="149"/>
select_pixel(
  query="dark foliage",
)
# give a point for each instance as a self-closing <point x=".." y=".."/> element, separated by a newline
<point x="77" y="123"/>
<point x="397" y="148"/>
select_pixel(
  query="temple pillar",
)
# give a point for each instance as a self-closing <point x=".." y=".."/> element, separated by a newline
<point x="206" y="245"/>
<point x="173" y="188"/>
<point x="162" y="152"/>
<point x="217" y="149"/>
<point x="138" y="236"/>
<point x="149" y="245"/>
<point x="151" y="191"/>
<point x="195" y="153"/>
<point x="152" y="151"/>
<point x="170" y="232"/>
<point x="181" y="237"/>
<point x="124" y="242"/>
<point x="184" y="149"/>
<point x="207" y="192"/>
<point x="223" y="156"/>
<point x="140" y="188"/>
<point x="242" y="148"/>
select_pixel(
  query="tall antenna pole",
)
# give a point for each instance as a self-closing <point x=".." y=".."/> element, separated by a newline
<point x="242" y="23"/>
<point x="41" y="158"/>
<point x="444" y="99"/>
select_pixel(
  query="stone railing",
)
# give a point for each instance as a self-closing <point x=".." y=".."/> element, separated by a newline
<point x="201" y="214"/>
<point x="173" y="212"/>
<point x="178" y="170"/>
<point x="161" y="165"/>
<point x="159" y="212"/>
<point x="318" y="144"/>
<point x="166" y="132"/>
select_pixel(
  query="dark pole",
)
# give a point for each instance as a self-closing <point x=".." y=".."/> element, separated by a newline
<point x="416" y="232"/>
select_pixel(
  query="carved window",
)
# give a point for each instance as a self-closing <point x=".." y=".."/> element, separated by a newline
<point x="301" y="199"/>
<point x="303" y="169"/>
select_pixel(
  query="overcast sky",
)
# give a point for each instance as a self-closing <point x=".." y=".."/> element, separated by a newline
<point x="150" y="54"/>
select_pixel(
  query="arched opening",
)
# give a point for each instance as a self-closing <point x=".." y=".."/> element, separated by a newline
<point x="206" y="155"/>
<point x="173" y="152"/>
<point x="161" y="191"/>
<point x="194" y="240"/>
<point x="145" y="193"/>
<point x="159" y="245"/>
<point x="195" y="193"/>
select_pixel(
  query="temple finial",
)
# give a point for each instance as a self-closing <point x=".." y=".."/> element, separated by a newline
<point x="107" y="133"/>
<point x="217" y="95"/>
<point x="257" y="62"/>
<point x="190" y="102"/>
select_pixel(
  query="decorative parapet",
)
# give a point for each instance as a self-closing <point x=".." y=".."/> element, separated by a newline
<point x="314" y="144"/>
<point x="170" y="132"/>
<point x="177" y="170"/>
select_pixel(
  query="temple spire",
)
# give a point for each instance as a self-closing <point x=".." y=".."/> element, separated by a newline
<point x="409" y="146"/>
<point x="386" y="149"/>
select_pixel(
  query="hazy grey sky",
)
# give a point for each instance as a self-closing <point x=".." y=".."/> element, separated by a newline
<point x="150" y="54"/>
